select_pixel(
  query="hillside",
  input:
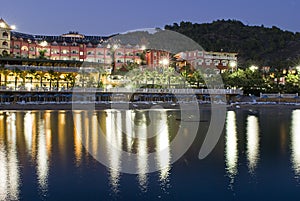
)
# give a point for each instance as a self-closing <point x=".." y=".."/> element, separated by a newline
<point x="256" y="45"/>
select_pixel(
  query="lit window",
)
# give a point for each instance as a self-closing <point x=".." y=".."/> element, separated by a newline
<point x="81" y="53"/>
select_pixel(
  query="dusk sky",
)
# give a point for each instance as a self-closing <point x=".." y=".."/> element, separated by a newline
<point x="100" y="17"/>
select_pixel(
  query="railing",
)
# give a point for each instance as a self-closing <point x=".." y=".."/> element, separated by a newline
<point x="278" y="95"/>
<point x="139" y="90"/>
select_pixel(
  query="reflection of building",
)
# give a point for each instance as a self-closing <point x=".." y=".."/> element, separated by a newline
<point x="220" y="60"/>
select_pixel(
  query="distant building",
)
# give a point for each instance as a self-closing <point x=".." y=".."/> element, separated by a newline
<point x="222" y="61"/>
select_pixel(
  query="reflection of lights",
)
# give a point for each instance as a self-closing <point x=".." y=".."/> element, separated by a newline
<point x="13" y="170"/>
<point x="142" y="151"/>
<point x="94" y="139"/>
<point x="62" y="134"/>
<point x="129" y="131"/>
<point x="296" y="142"/>
<point x="163" y="149"/>
<point x="231" y="150"/>
<point x="28" y="127"/>
<point x="252" y="142"/>
<point x="3" y="174"/>
<point x="77" y="137"/>
<point x="114" y="145"/>
<point x="42" y="157"/>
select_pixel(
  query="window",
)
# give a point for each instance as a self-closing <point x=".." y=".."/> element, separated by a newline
<point x="65" y="51"/>
<point x="81" y="53"/>
<point x="200" y="54"/>
<point x="5" y="35"/>
<point x="74" y="52"/>
<point x="5" y="43"/>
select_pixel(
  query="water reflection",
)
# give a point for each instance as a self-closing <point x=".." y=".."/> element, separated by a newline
<point x="77" y="138"/>
<point x="296" y="142"/>
<point x="142" y="152"/>
<point x="28" y="130"/>
<point x="252" y="143"/>
<point x="9" y="168"/>
<point x="114" y="139"/>
<point x="163" y="150"/>
<point x="231" y="147"/>
<point x="43" y="151"/>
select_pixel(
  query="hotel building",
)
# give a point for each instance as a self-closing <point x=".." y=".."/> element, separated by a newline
<point x="78" y="47"/>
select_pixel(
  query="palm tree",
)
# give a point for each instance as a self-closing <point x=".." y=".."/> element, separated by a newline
<point x="31" y="73"/>
<point x="40" y="76"/>
<point x="70" y="77"/>
<point x="101" y="72"/>
<point x="52" y="77"/>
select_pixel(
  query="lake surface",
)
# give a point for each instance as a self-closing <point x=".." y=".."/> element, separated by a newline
<point x="43" y="156"/>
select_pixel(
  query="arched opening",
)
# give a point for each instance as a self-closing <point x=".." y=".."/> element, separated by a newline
<point x="5" y="44"/>
<point x="4" y="53"/>
<point x="5" y="35"/>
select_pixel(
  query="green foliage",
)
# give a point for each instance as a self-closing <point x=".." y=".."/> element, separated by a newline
<point x="254" y="44"/>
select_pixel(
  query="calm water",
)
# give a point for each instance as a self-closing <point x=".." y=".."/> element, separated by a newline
<point x="42" y="157"/>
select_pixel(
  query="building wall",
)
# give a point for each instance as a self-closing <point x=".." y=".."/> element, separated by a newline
<point x="5" y="36"/>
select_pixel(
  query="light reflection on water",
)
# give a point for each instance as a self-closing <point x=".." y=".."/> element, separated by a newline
<point x="9" y="167"/>
<point x="252" y="143"/>
<point x="295" y="142"/>
<point x="47" y="135"/>
<point x="231" y="147"/>
<point x="43" y="151"/>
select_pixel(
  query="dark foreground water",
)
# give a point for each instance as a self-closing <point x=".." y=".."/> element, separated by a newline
<point x="42" y="157"/>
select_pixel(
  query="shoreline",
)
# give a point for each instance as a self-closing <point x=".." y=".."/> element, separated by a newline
<point x="140" y="105"/>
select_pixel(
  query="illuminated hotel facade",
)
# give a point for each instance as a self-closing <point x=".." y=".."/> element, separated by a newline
<point x="98" y="49"/>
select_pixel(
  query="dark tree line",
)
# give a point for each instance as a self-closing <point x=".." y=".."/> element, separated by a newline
<point x="256" y="45"/>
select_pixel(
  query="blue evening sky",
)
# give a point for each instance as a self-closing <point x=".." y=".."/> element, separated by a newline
<point x="98" y="17"/>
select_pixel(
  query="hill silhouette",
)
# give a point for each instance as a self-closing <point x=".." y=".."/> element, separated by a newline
<point x="256" y="45"/>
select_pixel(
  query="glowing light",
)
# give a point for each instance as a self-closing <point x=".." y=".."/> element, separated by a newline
<point x="165" y="62"/>
<point x="233" y="64"/>
<point x="295" y="142"/>
<point x="2" y="25"/>
<point x="253" y="68"/>
<point x="252" y="142"/>
<point x="231" y="149"/>
<point x="44" y="43"/>
<point x="13" y="27"/>
<point x="143" y="47"/>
